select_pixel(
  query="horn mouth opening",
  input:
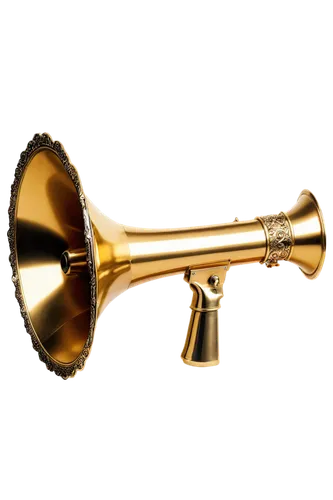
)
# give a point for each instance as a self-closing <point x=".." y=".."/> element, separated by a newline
<point x="47" y="216"/>
<point x="319" y="238"/>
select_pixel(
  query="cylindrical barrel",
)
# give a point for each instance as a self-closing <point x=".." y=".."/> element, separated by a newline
<point x="74" y="261"/>
<point x="155" y="253"/>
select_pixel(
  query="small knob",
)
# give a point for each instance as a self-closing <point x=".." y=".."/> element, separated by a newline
<point x="214" y="280"/>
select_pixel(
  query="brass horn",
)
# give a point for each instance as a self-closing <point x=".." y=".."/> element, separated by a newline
<point x="69" y="260"/>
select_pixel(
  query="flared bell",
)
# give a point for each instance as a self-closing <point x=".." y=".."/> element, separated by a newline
<point x="309" y="237"/>
<point x="47" y="217"/>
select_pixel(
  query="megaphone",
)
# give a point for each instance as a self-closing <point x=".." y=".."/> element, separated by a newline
<point x="69" y="260"/>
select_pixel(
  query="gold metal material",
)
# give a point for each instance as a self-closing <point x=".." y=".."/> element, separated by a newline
<point x="47" y="216"/>
<point x="214" y="280"/>
<point x="309" y="236"/>
<point x="74" y="261"/>
<point x="162" y="252"/>
<point x="49" y="220"/>
<point x="69" y="260"/>
<point x="112" y="257"/>
<point x="298" y="236"/>
<point x="279" y="238"/>
<point x="202" y="344"/>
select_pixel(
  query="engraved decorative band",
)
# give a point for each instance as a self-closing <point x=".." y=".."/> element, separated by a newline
<point x="278" y="236"/>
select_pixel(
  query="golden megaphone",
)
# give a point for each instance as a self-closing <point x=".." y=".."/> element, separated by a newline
<point x="69" y="260"/>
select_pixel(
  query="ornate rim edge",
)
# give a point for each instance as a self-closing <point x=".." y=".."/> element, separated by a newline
<point x="42" y="141"/>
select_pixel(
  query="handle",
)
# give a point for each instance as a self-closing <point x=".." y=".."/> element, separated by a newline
<point x="201" y="347"/>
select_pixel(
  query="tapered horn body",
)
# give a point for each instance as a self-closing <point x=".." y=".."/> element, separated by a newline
<point x="69" y="260"/>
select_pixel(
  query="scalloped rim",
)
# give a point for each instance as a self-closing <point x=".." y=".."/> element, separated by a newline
<point x="39" y="142"/>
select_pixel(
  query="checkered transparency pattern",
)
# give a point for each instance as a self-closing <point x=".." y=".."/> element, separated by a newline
<point x="196" y="219"/>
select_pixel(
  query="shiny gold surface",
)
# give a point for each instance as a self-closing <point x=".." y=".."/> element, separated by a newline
<point x="161" y="252"/>
<point x="279" y="238"/>
<point x="202" y="341"/>
<point x="132" y="256"/>
<point x="69" y="260"/>
<point x="112" y="257"/>
<point x="74" y="261"/>
<point x="309" y="236"/>
<point x="49" y="221"/>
